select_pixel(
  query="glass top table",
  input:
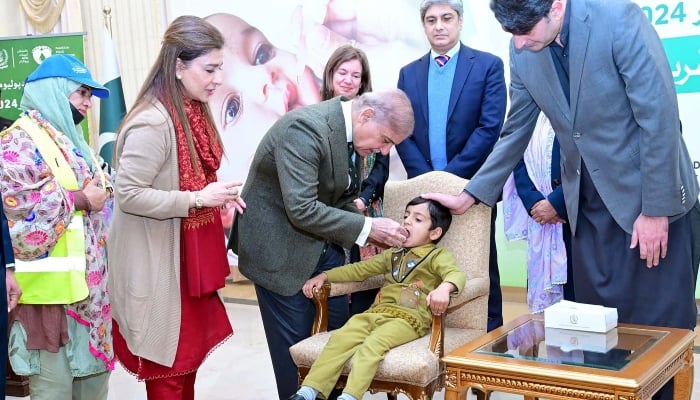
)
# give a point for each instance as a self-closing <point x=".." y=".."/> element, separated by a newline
<point x="523" y="357"/>
<point x="612" y="350"/>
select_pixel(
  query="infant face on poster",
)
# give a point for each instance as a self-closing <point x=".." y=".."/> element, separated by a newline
<point x="261" y="81"/>
<point x="260" y="84"/>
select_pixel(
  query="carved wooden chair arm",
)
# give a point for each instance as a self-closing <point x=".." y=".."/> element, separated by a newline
<point x="320" y="301"/>
<point x="437" y="334"/>
<point x="322" y="294"/>
<point x="475" y="287"/>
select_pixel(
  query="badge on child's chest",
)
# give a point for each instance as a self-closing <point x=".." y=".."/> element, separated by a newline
<point x="402" y="265"/>
<point x="410" y="296"/>
<point x="396" y="259"/>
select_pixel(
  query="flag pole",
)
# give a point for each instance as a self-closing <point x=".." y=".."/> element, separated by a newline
<point x="107" y="13"/>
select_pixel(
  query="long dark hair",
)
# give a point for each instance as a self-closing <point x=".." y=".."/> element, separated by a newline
<point x="188" y="37"/>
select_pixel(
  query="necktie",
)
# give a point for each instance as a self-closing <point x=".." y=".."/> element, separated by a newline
<point x="352" y="171"/>
<point x="442" y="59"/>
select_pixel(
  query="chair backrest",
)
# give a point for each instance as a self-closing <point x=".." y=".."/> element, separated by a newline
<point x="467" y="238"/>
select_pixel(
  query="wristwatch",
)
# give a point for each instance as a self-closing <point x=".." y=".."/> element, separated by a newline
<point x="198" y="200"/>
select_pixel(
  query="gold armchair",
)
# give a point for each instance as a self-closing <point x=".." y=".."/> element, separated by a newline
<point x="415" y="368"/>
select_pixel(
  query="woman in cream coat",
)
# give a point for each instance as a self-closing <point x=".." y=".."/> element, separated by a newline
<point x="167" y="238"/>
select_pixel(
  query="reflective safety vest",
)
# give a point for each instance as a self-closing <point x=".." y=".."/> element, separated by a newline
<point x="58" y="278"/>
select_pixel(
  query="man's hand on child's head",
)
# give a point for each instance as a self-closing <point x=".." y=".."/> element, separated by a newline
<point x="439" y="299"/>
<point x="313" y="284"/>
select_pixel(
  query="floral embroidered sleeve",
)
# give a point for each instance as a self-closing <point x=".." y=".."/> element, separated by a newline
<point x="37" y="208"/>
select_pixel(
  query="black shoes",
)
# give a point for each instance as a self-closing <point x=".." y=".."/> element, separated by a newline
<point x="297" y="396"/>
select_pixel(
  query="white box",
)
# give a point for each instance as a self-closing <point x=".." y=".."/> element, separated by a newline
<point x="568" y="340"/>
<point x="580" y="317"/>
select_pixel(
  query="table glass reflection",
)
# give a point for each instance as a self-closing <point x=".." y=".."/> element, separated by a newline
<point x="613" y="350"/>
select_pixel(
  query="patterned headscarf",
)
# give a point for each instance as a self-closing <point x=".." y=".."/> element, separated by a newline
<point x="50" y="97"/>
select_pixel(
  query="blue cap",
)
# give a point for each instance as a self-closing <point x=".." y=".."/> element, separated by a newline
<point x="69" y="67"/>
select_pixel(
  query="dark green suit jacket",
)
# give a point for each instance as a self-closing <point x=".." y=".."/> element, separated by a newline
<point x="295" y="199"/>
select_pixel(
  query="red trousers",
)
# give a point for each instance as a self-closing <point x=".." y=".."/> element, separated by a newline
<point x="179" y="387"/>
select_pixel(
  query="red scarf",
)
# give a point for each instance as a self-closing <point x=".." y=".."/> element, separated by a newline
<point x="204" y="265"/>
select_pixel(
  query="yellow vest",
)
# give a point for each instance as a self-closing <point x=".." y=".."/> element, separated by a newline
<point x="58" y="278"/>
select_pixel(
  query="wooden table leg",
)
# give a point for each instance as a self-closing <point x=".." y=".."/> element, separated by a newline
<point x="452" y="394"/>
<point x="683" y="381"/>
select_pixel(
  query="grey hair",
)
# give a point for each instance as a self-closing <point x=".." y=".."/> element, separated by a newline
<point x="392" y="109"/>
<point x="454" y="4"/>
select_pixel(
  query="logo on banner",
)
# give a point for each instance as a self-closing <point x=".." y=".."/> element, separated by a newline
<point x="40" y="53"/>
<point x="4" y="59"/>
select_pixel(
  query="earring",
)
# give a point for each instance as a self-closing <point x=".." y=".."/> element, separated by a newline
<point x="178" y="76"/>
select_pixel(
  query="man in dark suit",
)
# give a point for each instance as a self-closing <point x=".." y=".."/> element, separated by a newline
<point x="9" y="293"/>
<point x="598" y="70"/>
<point x="459" y="97"/>
<point x="300" y="191"/>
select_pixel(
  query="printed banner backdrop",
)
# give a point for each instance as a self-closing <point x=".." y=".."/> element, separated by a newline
<point x="294" y="38"/>
<point x="19" y="56"/>
<point x="678" y="25"/>
<point x="289" y="45"/>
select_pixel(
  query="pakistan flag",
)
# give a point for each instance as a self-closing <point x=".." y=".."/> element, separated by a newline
<point x="112" y="109"/>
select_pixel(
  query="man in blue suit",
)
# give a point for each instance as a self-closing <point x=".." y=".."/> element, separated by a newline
<point x="458" y="96"/>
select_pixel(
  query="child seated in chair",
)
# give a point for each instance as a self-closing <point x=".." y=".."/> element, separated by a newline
<point x="420" y="278"/>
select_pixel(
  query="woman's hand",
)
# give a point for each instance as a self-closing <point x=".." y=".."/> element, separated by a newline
<point x="96" y="195"/>
<point x="13" y="291"/>
<point x="223" y="194"/>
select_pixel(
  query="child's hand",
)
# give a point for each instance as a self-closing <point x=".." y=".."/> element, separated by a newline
<point x="313" y="283"/>
<point x="439" y="299"/>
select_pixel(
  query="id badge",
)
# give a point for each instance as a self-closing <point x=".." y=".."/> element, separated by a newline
<point x="410" y="296"/>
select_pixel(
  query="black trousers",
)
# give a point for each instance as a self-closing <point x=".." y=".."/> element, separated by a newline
<point x="609" y="273"/>
<point x="495" y="313"/>
<point x="288" y="319"/>
<point x="569" y="293"/>
<point x="695" y="237"/>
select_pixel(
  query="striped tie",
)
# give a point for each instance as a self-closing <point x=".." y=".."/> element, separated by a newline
<point x="353" y="172"/>
<point x="442" y="59"/>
